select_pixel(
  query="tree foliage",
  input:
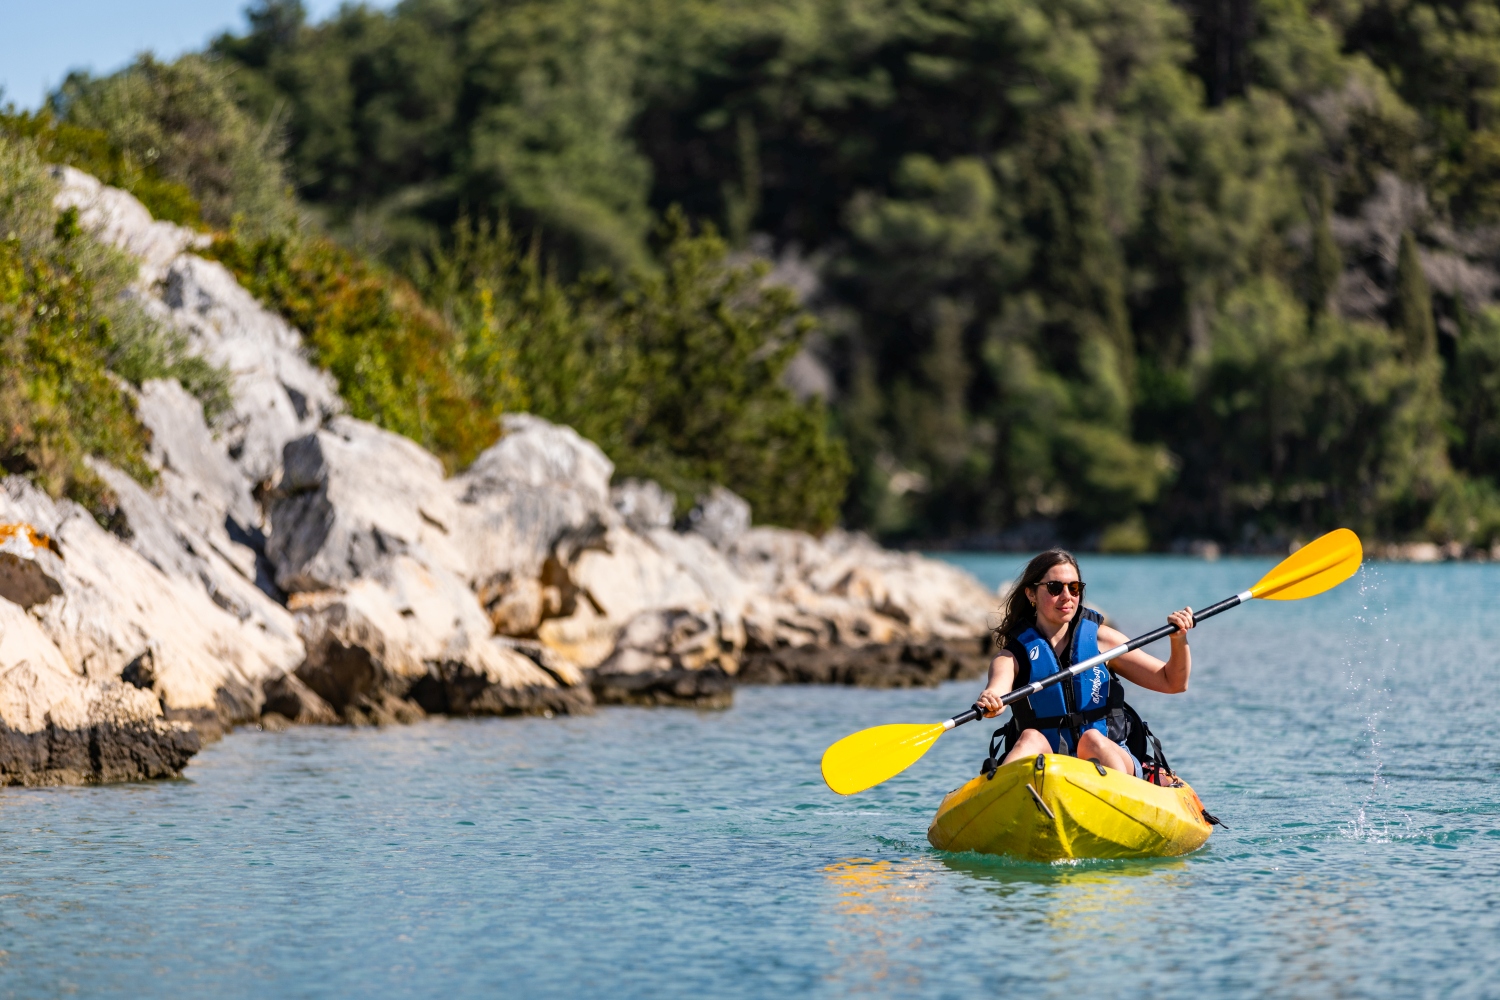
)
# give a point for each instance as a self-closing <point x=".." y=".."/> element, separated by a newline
<point x="1131" y="270"/>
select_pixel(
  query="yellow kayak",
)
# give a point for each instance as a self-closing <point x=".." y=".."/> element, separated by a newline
<point x="1053" y="807"/>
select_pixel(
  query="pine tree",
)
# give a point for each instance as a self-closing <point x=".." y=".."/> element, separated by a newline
<point x="1413" y="312"/>
<point x="1328" y="262"/>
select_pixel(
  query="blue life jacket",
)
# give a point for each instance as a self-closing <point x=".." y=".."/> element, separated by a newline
<point x="1065" y="710"/>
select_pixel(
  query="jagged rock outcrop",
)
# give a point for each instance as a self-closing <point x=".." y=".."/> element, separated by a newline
<point x="536" y="496"/>
<point x="57" y="728"/>
<point x="277" y="394"/>
<point x="120" y="220"/>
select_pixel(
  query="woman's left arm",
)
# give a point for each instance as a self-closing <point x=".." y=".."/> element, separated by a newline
<point x="1140" y="667"/>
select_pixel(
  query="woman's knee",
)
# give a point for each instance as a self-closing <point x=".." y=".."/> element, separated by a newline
<point x="1031" y="741"/>
<point x="1091" y="742"/>
<point x="1033" y="738"/>
<point x="1094" y="744"/>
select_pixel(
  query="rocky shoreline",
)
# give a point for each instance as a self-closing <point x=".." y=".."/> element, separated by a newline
<point x="292" y="565"/>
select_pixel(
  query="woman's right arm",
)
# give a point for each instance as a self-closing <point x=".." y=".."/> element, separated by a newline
<point x="1002" y="679"/>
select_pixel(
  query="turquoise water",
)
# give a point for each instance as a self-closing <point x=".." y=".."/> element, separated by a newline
<point x="1349" y="741"/>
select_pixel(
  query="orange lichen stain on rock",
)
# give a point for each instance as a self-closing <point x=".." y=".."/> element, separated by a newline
<point x="39" y="540"/>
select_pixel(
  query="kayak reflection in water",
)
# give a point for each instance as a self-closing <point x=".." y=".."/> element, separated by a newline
<point x="1044" y="629"/>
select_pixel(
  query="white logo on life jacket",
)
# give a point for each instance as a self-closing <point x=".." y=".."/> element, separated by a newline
<point x="1036" y="651"/>
<point x="1098" y="689"/>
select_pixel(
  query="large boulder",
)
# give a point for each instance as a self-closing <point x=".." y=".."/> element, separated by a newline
<point x="351" y="496"/>
<point x="722" y="516"/>
<point x="57" y="728"/>
<point x="643" y="504"/>
<point x="540" y="492"/>
<point x="626" y="574"/>
<point x="659" y="618"/>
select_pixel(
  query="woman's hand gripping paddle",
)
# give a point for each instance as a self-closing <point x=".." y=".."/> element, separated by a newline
<point x="870" y="756"/>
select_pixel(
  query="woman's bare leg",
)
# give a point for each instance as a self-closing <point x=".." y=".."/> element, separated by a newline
<point x="1091" y="744"/>
<point x="1031" y="743"/>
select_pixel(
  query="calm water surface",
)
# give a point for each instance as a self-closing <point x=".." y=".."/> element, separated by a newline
<point x="1349" y="741"/>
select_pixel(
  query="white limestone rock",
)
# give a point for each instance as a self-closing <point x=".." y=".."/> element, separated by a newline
<point x="933" y="599"/>
<point x="643" y="504"/>
<point x="180" y="552"/>
<point x="626" y="575"/>
<point x="407" y="633"/>
<point x="204" y="490"/>
<point x="539" y="487"/>
<point x="351" y="496"/>
<point x="859" y="588"/>
<point x="278" y="395"/>
<point x="669" y="657"/>
<point x="117" y="612"/>
<point x="59" y="728"/>
<point x="721" y="516"/>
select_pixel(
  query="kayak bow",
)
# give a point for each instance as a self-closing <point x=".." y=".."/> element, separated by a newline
<point x="1054" y="807"/>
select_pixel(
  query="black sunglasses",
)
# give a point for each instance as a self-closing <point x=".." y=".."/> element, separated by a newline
<point x="1055" y="587"/>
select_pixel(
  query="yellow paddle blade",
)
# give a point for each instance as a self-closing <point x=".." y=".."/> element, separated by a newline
<point x="870" y="756"/>
<point x="1320" y="565"/>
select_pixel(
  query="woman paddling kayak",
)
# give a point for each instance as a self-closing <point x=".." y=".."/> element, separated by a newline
<point x="1046" y="628"/>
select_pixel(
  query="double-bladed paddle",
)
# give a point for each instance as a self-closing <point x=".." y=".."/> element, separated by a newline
<point x="870" y="756"/>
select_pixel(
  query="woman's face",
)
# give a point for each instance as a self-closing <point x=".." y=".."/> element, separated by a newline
<point x="1059" y="610"/>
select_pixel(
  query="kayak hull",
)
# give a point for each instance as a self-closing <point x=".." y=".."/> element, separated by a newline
<point x="1057" y="807"/>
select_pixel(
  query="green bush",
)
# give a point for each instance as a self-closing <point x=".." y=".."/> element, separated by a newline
<point x="392" y="356"/>
<point x="94" y="152"/>
<point x="67" y="334"/>
<point x="677" y="374"/>
<point x="176" y="127"/>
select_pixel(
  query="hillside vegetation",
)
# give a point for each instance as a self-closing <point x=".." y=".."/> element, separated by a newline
<point x="1127" y="271"/>
<point x="73" y="344"/>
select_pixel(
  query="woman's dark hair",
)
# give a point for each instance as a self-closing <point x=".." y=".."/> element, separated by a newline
<point x="1019" y="613"/>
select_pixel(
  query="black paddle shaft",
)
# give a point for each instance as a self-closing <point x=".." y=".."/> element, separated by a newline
<point x="1109" y="654"/>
